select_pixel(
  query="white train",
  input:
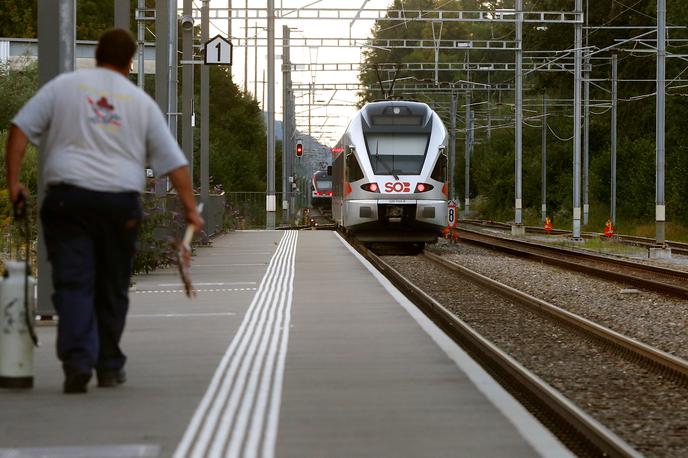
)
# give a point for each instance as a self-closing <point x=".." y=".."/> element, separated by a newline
<point x="321" y="190"/>
<point x="389" y="174"/>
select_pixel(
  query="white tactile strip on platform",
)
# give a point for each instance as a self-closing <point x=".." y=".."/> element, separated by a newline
<point x="239" y="412"/>
<point x="98" y="451"/>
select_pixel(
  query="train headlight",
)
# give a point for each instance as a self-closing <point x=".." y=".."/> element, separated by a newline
<point x="370" y="187"/>
<point x="423" y="187"/>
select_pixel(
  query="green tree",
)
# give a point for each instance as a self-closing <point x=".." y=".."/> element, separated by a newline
<point x="237" y="133"/>
<point x="18" y="18"/>
<point x="16" y="87"/>
<point x="493" y="160"/>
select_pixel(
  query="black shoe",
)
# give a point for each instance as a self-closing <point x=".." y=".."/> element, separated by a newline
<point x="111" y="377"/>
<point x="76" y="382"/>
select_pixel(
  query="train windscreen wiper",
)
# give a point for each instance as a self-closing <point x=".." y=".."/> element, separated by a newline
<point x="377" y="161"/>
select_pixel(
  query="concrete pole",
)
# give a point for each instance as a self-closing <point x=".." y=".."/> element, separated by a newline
<point x="436" y="40"/>
<point x="229" y="32"/>
<point x="518" y="219"/>
<point x="162" y="76"/>
<point x="452" y="147"/>
<point x="586" y="142"/>
<point x="544" y="157"/>
<point x="56" y="38"/>
<point x="56" y="43"/>
<point x="187" y="89"/>
<point x="122" y="14"/>
<point x="162" y="29"/>
<point x="205" y="108"/>
<point x="586" y="123"/>
<point x="467" y="157"/>
<point x="292" y="142"/>
<point x="255" y="66"/>
<point x="310" y="111"/>
<point x="246" y="47"/>
<point x="660" y="212"/>
<point x="141" y="28"/>
<point x="270" y="198"/>
<point x="229" y="20"/>
<point x="286" y="144"/>
<point x="173" y="78"/>
<point x="615" y="96"/>
<point x="489" y="106"/>
<point x="577" y="126"/>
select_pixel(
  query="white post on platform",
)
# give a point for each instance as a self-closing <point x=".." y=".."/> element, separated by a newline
<point x="270" y="204"/>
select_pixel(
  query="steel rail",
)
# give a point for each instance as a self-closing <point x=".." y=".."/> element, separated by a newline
<point x="677" y="247"/>
<point x="563" y="251"/>
<point x="650" y="355"/>
<point x="502" y="244"/>
<point x="575" y="421"/>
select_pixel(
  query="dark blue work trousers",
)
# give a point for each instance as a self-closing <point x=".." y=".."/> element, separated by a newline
<point x="90" y="238"/>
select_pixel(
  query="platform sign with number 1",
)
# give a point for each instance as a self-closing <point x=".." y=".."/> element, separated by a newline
<point x="218" y="51"/>
<point x="452" y="219"/>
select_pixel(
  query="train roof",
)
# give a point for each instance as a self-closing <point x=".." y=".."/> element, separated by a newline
<point x="396" y="114"/>
<point x="320" y="174"/>
<point x="387" y="106"/>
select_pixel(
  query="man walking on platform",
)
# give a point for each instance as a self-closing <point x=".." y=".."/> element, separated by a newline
<point x="99" y="130"/>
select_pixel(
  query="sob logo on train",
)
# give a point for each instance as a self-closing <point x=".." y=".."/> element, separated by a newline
<point x="397" y="186"/>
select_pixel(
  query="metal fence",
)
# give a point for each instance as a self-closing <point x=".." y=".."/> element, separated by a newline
<point x="247" y="209"/>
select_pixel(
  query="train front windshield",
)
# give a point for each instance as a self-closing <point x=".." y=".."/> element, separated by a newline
<point x="323" y="182"/>
<point x="397" y="153"/>
<point x="324" y="185"/>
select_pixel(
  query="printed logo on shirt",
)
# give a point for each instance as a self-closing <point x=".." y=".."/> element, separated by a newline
<point x="105" y="115"/>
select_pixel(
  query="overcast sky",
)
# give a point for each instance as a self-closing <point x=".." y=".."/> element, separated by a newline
<point x="338" y="116"/>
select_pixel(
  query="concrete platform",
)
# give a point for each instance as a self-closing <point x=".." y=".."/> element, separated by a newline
<point x="293" y="348"/>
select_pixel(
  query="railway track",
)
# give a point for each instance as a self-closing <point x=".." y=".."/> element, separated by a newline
<point x="314" y="219"/>
<point x="676" y="247"/>
<point x="577" y="428"/>
<point x="320" y="220"/>
<point x="634" y="274"/>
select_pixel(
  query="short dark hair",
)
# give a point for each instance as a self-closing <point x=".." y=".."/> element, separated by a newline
<point x="115" y="47"/>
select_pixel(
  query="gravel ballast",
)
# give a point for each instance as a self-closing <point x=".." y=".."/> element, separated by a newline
<point x="645" y="409"/>
<point x="655" y="319"/>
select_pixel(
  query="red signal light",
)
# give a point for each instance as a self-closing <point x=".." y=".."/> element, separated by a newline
<point x="299" y="150"/>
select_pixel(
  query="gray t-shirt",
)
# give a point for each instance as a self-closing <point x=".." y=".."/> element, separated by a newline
<point x="100" y="131"/>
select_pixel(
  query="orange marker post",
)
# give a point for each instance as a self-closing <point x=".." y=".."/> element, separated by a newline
<point x="455" y="235"/>
<point x="609" y="229"/>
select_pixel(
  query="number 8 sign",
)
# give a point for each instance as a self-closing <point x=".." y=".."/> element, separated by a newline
<point x="451" y="214"/>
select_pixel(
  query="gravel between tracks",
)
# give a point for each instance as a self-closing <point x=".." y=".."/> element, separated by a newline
<point x="652" y="318"/>
<point x="649" y="412"/>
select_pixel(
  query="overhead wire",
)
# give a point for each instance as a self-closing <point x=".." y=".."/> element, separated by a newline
<point x="549" y="127"/>
<point x="612" y="19"/>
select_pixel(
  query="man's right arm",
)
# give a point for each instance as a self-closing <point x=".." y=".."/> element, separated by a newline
<point x="29" y="124"/>
<point x="181" y="180"/>
<point x="14" y="153"/>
